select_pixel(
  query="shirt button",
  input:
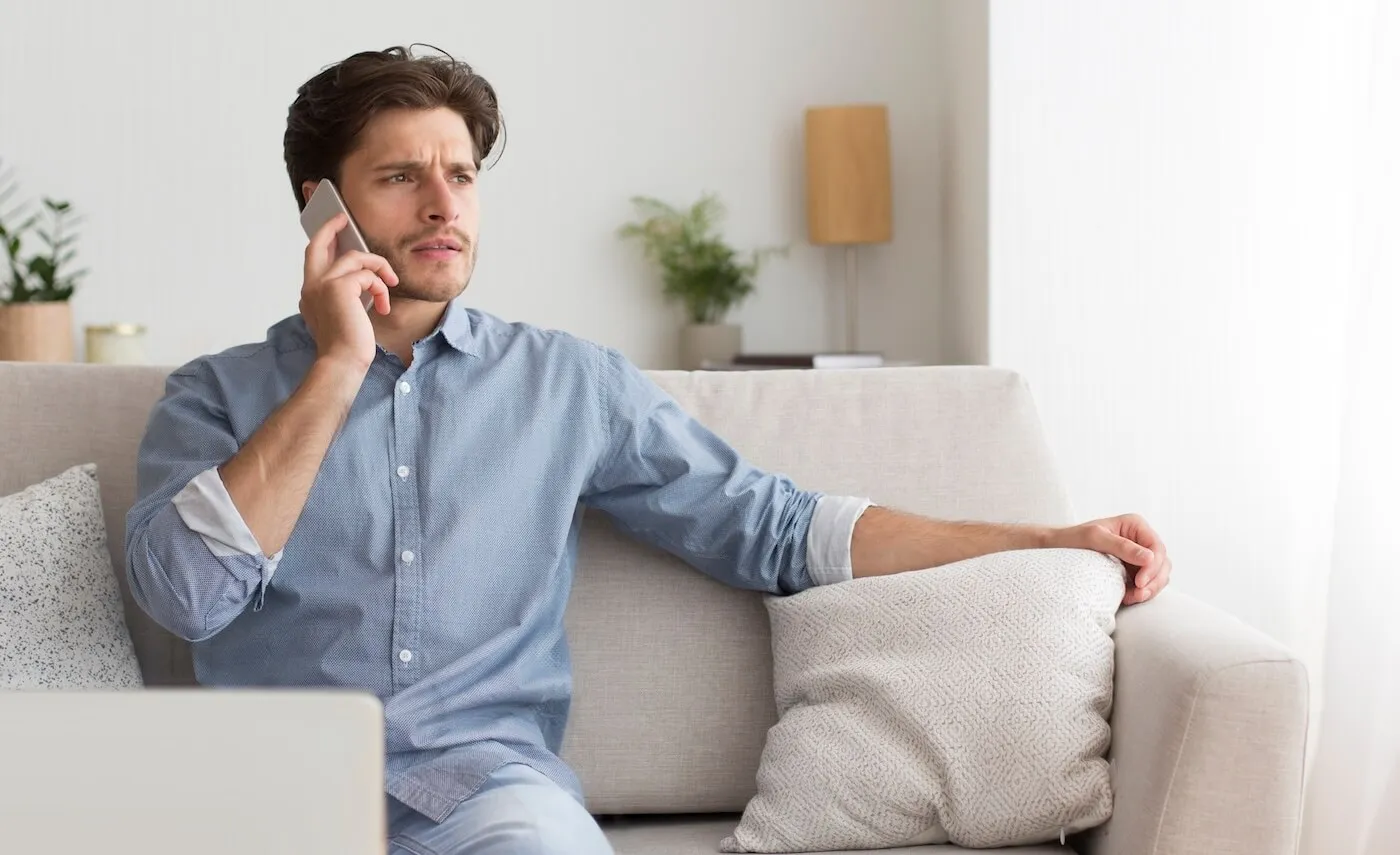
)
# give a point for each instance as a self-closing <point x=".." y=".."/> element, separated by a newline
<point x="403" y="471"/>
<point x="404" y="388"/>
<point x="407" y="556"/>
<point x="405" y="655"/>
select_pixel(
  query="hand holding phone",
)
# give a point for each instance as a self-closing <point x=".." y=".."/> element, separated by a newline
<point x="323" y="206"/>
<point x="334" y="278"/>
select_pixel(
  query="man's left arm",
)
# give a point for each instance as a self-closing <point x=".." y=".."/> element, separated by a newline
<point x="667" y="480"/>
<point x="886" y="541"/>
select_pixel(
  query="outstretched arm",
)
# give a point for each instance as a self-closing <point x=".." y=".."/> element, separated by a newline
<point x="887" y="541"/>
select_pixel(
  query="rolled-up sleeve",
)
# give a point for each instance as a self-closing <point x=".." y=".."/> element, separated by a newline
<point x="667" y="480"/>
<point x="192" y="564"/>
<point x="829" y="540"/>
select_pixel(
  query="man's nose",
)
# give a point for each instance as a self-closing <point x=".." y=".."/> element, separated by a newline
<point x="440" y="206"/>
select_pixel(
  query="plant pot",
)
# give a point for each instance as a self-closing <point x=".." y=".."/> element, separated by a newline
<point x="715" y="343"/>
<point x="36" y="332"/>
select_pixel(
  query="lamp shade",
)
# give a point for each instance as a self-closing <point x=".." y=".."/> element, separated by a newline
<point x="848" y="175"/>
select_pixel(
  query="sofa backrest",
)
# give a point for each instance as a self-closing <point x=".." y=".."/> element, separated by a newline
<point x="673" y="691"/>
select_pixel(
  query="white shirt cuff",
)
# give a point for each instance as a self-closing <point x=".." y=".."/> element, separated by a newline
<point x="207" y="508"/>
<point x="829" y="538"/>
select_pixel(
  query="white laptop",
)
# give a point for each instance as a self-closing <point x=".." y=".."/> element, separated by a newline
<point x="181" y="771"/>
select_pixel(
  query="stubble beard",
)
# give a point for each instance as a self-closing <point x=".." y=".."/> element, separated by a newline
<point x="439" y="289"/>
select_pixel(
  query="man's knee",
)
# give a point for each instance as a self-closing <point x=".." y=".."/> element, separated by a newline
<point x="516" y="833"/>
<point x="539" y="829"/>
<point x="549" y="821"/>
<point x="570" y="832"/>
<point x="519" y="812"/>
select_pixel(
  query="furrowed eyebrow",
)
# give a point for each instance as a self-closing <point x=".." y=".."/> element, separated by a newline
<point x="417" y="165"/>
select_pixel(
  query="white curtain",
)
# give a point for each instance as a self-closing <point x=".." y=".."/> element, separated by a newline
<point x="1194" y="259"/>
<point x="1352" y="799"/>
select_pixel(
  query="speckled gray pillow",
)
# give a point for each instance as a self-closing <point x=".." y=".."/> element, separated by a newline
<point x="967" y="703"/>
<point x="61" y="622"/>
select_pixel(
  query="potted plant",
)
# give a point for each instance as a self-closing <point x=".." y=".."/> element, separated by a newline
<point x="36" y="321"/>
<point x="700" y="271"/>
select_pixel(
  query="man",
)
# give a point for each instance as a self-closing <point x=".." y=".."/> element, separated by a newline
<point x="390" y="500"/>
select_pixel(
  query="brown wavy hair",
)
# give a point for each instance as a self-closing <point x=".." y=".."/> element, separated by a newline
<point x="332" y="108"/>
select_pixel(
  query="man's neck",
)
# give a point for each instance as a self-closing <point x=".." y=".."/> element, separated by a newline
<point x="408" y="321"/>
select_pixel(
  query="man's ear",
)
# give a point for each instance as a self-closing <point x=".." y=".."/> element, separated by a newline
<point x="307" y="188"/>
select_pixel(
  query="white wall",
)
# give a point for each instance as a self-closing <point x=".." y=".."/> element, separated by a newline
<point x="130" y="110"/>
<point x="961" y="150"/>
<point x="1169" y="237"/>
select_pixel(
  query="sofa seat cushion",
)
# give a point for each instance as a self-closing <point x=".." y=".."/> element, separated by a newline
<point x="700" y="834"/>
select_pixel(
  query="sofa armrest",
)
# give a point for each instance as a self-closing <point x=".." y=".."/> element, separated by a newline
<point x="1209" y="722"/>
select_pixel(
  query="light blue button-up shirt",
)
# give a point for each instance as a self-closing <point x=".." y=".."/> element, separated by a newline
<point x="432" y="562"/>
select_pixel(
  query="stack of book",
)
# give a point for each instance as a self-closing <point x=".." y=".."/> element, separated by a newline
<point x="756" y="361"/>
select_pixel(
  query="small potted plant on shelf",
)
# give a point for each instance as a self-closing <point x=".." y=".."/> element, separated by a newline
<point x="36" y="321"/>
<point x="700" y="271"/>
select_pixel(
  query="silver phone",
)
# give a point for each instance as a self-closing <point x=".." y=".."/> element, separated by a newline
<point x="324" y="204"/>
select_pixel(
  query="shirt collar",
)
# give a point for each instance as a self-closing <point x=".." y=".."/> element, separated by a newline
<point x="456" y="329"/>
<point x="457" y="326"/>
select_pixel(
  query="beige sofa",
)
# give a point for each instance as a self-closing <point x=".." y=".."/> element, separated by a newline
<point x="673" y="670"/>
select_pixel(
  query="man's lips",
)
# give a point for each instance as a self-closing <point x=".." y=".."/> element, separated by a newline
<point x="437" y="244"/>
<point x="437" y="249"/>
<point x="437" y="254"/>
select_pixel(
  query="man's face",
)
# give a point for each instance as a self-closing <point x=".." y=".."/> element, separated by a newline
<point x="411" y="187"/>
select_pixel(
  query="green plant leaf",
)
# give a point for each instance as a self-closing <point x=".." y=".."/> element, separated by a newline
<point x="41" y="266"/>
<point x="698" y="268"/>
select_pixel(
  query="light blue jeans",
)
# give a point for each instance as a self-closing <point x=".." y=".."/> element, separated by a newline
<point x="517" y="811"/>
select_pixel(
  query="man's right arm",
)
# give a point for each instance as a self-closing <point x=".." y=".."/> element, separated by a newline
<point x="211" y="517"/>
<point x="269" y="479"/>
<point x="206" y="533"/>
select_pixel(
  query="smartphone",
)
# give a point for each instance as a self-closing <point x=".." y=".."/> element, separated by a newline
<point x="324" y="204"/>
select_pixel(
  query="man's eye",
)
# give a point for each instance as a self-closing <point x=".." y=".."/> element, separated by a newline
<point x="465" y="178"/>
<point x="394" y="179"/>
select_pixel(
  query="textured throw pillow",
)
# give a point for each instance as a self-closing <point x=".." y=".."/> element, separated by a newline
<point x="966" y="703"/>
<point x="61" y="621"/>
